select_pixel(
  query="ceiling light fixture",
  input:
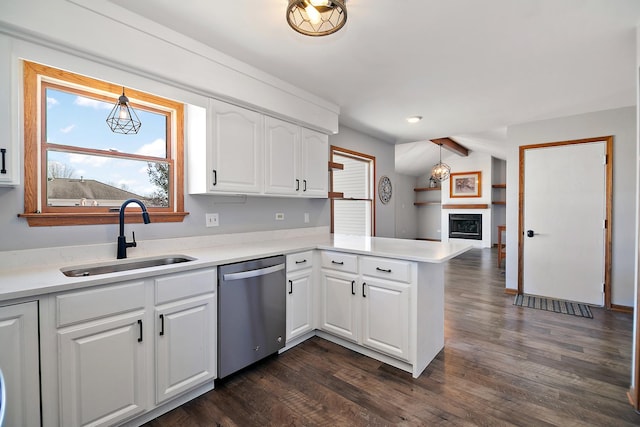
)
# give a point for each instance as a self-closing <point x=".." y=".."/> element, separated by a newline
<point x="414" y="119"/>
<point x="441" y="171"/>
<point x="316" y="17"/>
<point x="123" y="118"/>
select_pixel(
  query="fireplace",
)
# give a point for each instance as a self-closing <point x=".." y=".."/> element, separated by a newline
<point x="465" y="226"/>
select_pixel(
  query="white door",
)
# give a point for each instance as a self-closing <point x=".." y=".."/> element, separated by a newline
<point x="564" y="213"/>
<point x="282" y="157"/>
<point x="340" y="315"/>
<point x="237" y="139"/>
<point x="385" y="317"/>
<point x="299" y="300"/>
<point x="19" y="363"/>
<point x="315" y="158"/>
<point x="185" y="345"/>
<point x="102" y="371"/>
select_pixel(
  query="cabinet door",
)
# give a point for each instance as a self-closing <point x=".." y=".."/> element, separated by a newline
<point x="315" y="158"/>
<point x="299" y="304"/>
<point x="236" y="147"/>
<point x="339" y="305"/>
<point x="19" y="363"/>
<point x="185" y="345"/>
<point x="282" y="157"/>
<point x="385" y="317"/>
<point x="9" y="148"/>
<point x="102" y="371"/>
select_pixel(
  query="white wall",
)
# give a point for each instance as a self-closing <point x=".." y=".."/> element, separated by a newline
<point x="180" y="79"/>
<point x="384" y="153"/>
<point x="619" y="122"/>
<point x="474" y="162"/>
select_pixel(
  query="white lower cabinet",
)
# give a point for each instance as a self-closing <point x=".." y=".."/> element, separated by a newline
<point x="105" y="341"/>
<point x="367" y="300"/>
<point x="102" y="377"/>
<point x="20" y="364"/>
<point x="300" y="291"/>
<point x="185" y="333"/>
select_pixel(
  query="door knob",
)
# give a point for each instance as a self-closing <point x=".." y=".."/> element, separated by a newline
<point x="530" y="233"/>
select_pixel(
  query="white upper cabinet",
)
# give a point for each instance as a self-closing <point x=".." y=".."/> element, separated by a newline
<point x="295" y="160"/>
<point x="246" y="152"/>
<point x="315" y="160"/>
<point x="236" y="148"/>
<point x="9" y="132"/>
<point x="282" y="157"/>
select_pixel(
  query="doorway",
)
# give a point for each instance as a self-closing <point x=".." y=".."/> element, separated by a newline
<point x="564" y="239"/>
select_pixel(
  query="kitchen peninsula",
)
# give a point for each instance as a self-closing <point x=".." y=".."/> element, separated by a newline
<point x="381" y="297"/>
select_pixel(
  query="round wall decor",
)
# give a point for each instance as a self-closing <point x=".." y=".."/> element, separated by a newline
<point x="384" y="189"/>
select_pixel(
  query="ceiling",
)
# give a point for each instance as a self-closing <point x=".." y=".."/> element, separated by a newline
<point x="470" y="68"/>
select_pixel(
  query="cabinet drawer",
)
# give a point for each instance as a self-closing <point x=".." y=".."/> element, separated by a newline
<point x="300" y="261"/>
<point x="99" y="302"/>
<point x="386" y="268"/>
<point x="339" y="261"/>
<point x="183" y="285"/>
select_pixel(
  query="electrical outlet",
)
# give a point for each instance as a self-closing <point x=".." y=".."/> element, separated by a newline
<point x="212" y="220"/>
<point x="280" y="216"/>
<point x="306" y="217"/>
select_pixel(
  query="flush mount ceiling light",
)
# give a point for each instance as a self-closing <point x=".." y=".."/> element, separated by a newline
<point x="123" y="118"/>
<point x="316" y="17"/>
<point x="441" y="171"/>
<point x="414" y="119"/>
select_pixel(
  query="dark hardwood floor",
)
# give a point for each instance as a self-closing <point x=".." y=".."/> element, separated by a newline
<point x="502" y="365"/>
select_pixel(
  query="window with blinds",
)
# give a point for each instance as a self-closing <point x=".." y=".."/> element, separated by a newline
<point x="353" y="213"/>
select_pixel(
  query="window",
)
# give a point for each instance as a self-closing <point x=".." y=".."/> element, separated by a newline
<point x="353" y="212"/>
<point x="79" y="172"/>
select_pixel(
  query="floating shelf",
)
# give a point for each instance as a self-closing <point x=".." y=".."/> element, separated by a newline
<point x="499" y="186"/>
<point x="466" y="206"/>
<point x="426" y="203"/>
<point x="334" y="166"/>
<point x="498" y="203"/>
<point x="427" y="189"/>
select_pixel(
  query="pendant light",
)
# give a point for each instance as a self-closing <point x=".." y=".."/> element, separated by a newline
<point x="123" y="118"/>
<point x="316" y="17"/>
<point x="441" y="171"/>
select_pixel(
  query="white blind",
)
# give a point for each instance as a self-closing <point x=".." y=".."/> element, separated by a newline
<point x="352" y="216"/>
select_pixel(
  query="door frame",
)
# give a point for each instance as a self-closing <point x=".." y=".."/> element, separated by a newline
<point x="608" y="140"/>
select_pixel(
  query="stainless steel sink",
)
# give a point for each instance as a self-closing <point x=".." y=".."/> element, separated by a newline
<point x="116" y="266"/>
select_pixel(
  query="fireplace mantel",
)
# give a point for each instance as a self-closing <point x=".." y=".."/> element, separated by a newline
<point x="466" y="206"/>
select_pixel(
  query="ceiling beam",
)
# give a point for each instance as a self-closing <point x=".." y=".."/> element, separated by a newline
<point x="451" y="145"/>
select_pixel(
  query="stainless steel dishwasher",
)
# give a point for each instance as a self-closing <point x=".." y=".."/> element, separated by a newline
<point x="251" y="312"/>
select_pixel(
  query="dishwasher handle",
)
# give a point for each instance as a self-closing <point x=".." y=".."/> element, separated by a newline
<point x="252" y="273"/>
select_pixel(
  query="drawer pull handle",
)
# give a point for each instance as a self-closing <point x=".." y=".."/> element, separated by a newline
<point x="305" y="185"/>
<point x="363" y="285"/>
<point x="297" y="185"/>
<point x="4" y="160"/>
<point x="301" y="262"/>
<point x="353" y="289"/>
<point x="337" y="262"/>
<point x="215" y="177"/>
<point x="290" y="287"/>
<point x="161" y="324"/>
<point x="384" y="270"/>
<point x="140" y="326"/>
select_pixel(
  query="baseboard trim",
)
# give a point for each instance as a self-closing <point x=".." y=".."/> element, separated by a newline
<point x="510" y="291"/>
<point x="622" y="308"/>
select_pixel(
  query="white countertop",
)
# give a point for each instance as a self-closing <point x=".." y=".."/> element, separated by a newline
<point x="37" y="272"/>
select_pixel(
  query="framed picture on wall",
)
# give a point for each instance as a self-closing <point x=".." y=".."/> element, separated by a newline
<point x="465" y="184"/>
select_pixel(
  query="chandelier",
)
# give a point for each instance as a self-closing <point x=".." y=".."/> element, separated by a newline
<point x="316" y="17"/>
<point x="441" y="171"/>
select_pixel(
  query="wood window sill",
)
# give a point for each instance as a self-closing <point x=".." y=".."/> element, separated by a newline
<point x="91" y="218"/>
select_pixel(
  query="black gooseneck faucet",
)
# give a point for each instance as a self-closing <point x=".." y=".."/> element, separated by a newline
<point x="122" y="240"/>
